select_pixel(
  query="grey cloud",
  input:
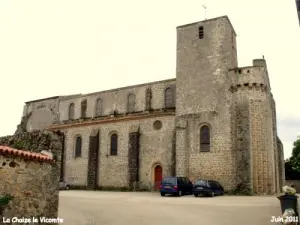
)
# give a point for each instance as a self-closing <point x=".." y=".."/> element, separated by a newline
<point x="288" y="128"/>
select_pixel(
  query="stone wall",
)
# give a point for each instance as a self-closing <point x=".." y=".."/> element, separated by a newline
<point x="36" y="182"/>
<point x="93" y="161"/>
<point x="262" y="145"/>
<point x="203" y="97"/>
<point x="252" y="90"/>
<point x="244" y="154"/>
<point x="276" y="152"/>
<point x="36" y="141"/>
<point x="137" y="155"/>
<point x="259" y="139"/>
<point x="31" y="184"/>
<point x="41" y="114"/>
<point x="133" y="158"/>
<point x="219" y="162"/>
<point x="281" y="163"/>
<point x="116" y="100"/>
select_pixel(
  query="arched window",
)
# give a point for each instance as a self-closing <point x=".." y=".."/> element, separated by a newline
<point x="78" y="146"/>
<point x="131" y="103"/>
<point x="114" y="144"/>
<point x="169" y="98"/>
<point x="98" y="107"/>
<point x="205" y="139"/>
<point x="83" y="108"/>
<point x="71" y="111"/>
<point x="201" y="32"/>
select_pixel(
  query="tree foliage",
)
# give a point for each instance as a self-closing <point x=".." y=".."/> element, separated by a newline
<point x="292" y="165"/>
<point x="295" y="158"/>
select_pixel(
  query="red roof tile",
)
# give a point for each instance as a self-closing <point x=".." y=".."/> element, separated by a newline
<point x="24" y="154"/>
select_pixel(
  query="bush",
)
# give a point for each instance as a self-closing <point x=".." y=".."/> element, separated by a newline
<point x="4" y="200"/>
<point x="241" y="189"/>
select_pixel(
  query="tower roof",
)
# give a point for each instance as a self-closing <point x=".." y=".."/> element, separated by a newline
<point x="208" y="20"/>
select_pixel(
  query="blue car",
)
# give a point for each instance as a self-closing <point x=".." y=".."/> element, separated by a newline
<point x="175" y="186"/>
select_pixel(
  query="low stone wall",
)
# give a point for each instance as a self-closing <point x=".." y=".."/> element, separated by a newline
<point x="34" y="185"/>
<point x="35" y="141"/>
<point x="31" y="185"/>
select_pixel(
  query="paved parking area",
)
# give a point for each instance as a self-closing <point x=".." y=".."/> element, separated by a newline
<point x="141" y="208"/>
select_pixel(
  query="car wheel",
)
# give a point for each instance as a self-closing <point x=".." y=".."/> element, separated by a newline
<point x="212" y="194"/>
<point x="222" y="192"/>
<point x="67" y="187"/>
<point x="196" y="195"/>
<point x="179" y="193"/>
<point x="162" y="194"/>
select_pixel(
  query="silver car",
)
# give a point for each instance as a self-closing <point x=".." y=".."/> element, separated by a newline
<point x="63" y="185"/>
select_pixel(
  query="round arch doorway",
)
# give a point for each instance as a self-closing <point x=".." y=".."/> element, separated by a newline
<point x="157" y="176"/>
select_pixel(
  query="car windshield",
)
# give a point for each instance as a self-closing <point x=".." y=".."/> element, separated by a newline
<point x="201" y="182"/>
<point x="169" y="180"/>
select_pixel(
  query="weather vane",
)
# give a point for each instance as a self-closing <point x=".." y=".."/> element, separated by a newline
<point x="205" y="9"/>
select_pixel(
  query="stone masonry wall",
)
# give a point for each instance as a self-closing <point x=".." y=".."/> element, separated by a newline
<point x="243" y="155"/>
<point x="275" y="148"/>
<point x="93" y="161"/>
<point x="203" y="97"/>
<point x="48" y="185"/>
<point x="41" y="114"/>
<point x="133" y="158"/>
<point x="219" y="162"/>
<point x="252" y="86"/>
<point x="116" y="100"/>
<point x="155" y="149"/>
<point x="262" y="147"/>
<point x="281" y="163"/>
<point x="181" y="147"/>
<point x="31" y="185"/>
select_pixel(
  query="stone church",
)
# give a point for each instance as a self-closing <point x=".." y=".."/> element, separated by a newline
<point x="215" y="120"/>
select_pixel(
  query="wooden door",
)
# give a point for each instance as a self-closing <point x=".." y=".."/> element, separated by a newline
<point x="157" y="176"/>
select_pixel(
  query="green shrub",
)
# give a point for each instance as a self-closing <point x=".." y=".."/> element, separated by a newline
<point x="242" y="189"/>
<point x="4" y="200"/>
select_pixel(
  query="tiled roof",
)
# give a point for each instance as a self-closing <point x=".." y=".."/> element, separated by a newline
<point x="24" y="154"/>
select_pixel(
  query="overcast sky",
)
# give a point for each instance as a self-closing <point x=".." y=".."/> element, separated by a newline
<point x="50" y="48"/>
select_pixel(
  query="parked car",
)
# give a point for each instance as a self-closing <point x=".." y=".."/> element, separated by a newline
<point x="175" y="186"/>
<point x="207" y="187"/>
<point x="64" y="185"/>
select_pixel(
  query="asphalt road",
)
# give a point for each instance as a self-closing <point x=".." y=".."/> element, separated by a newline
<point x="141" y="208"/>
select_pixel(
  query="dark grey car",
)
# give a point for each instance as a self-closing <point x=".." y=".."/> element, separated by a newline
<point x="207" y="187"/>
<point x="63" y="185"/>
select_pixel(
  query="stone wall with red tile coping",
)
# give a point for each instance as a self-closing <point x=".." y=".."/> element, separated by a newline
<point x="33" y="183"/>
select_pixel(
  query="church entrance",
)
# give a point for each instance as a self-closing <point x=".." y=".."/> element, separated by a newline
<point x="157" y="176"/>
